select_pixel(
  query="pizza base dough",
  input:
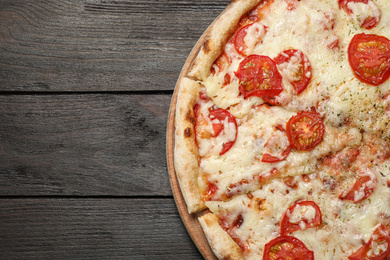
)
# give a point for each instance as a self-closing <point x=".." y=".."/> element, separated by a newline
<point x="186" y="156"/>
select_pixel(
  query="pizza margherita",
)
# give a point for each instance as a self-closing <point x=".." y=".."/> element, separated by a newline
<point x="282" y="133"/>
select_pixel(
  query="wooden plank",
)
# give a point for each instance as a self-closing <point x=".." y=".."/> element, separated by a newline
<point x="94" y="45"/>
<point x="93" y="229"/>
<point x="83" y="144"/>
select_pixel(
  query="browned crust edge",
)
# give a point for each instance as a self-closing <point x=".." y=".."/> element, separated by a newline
<point x="217" y="35"/>
<point x="186" y="156"/>
<point x="186" y="151"/>
<point x="221" y="243"/>
<point x="211" y="46"/>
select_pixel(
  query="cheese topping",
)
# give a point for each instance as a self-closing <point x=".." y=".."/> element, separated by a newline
<point x="300" y="213"/>
<point x="349" y="221"/>
<point x="362" y="11"/>
<point x="352" y="111"/>
<point x="254" y="34"/>
<point x="292" y="69"/>
<point x="377" y="248"/>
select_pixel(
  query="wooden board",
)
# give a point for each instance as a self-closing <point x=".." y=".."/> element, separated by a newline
<point x="190" y="220"/>
<point x="83" y="120"/>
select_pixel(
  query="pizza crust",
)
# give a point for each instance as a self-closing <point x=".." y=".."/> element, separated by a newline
<point x="217" y="35"/>
<point x="186" y="151"/>
<point x="221" y="243"/>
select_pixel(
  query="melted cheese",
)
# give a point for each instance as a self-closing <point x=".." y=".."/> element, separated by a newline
<point x="291" y="69"/>
<point x="300" y="213"/>
<point x="212" y="144"/>
<point x="349" y="221"/>
<point x="254" y="34"/>
<point x="322" y="31"/>
<point x="361" y="11"/>
<point x="252" y="135"/>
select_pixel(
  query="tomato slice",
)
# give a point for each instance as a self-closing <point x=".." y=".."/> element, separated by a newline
<point x="286" y="247"/>
<point x="277" y="148"/>
<point x="272" y="101"/>
<point x="370" y="21"/>
<point x="377" y="247"/>
<point x="218" y="117"/>
<point x="292" y="4"/>
<point x="230" y="225"/>
<point x="369" y="58"/>
<point x="255" y="14"/>
<point x="259" y="76"/>
<point x="290" y="223"/>
<point x="203" y="95"/>
<point x="342" y="160"/>
<point x="201" y="124"/>
<point x="211" y="190"/>
<point x="363" y="187"/>
<point x="305" y="130"/>
<point x="296" y="66"/>
<point x="239" y="40"/>
<point x="222" y="62"/>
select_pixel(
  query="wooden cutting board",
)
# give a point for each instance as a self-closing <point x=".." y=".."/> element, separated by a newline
<point x="190" y="220"/>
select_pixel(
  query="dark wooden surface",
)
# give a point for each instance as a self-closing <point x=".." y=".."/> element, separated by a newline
<point x="85" y="90"/>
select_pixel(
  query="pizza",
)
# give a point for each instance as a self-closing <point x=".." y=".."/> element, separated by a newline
<point x="282" y="141"/>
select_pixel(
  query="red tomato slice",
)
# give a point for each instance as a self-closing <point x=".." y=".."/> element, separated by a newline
<point x="342" y="160"/>
<point x="286" y="247"/>
<point x="280" y="157"/>
<point x="377" y="248"/>
<point x="230" y="225"/>
<point x="201" y="124"/>
<point x="221" y="62"/>
<point x="239" y="41"/>
<point x="369" y="22"/>
<point x="364" y="186"/>
<point x="255" y="14"/>
<point x="300" y="69"/>
<point x="334" y="45"/>
<point x="217" y="117"/>
<point x="369" y="58"/>
<point x="277" y="147"/>
<point x="272" y="101"/>
<point x="305" y="130"/>
<point x="292" y="4"/>
<point x="211" y="190"/>
<point x="287" y="227"/>
<point x="203" y="95"/>
<point x="259" y="76"/>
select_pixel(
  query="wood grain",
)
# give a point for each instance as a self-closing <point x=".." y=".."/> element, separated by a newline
<point x="93" y="229"/>
<point x="98" y="45"/>
<point x="85" y="89"/>
<point x="95" y="144"/>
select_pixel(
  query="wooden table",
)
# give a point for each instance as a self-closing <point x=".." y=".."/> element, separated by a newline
<point x="86" y="87"/>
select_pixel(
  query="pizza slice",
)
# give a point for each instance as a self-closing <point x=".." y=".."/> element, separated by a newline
<point x="299" y="216"/>
<point x="281" y="130"/>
